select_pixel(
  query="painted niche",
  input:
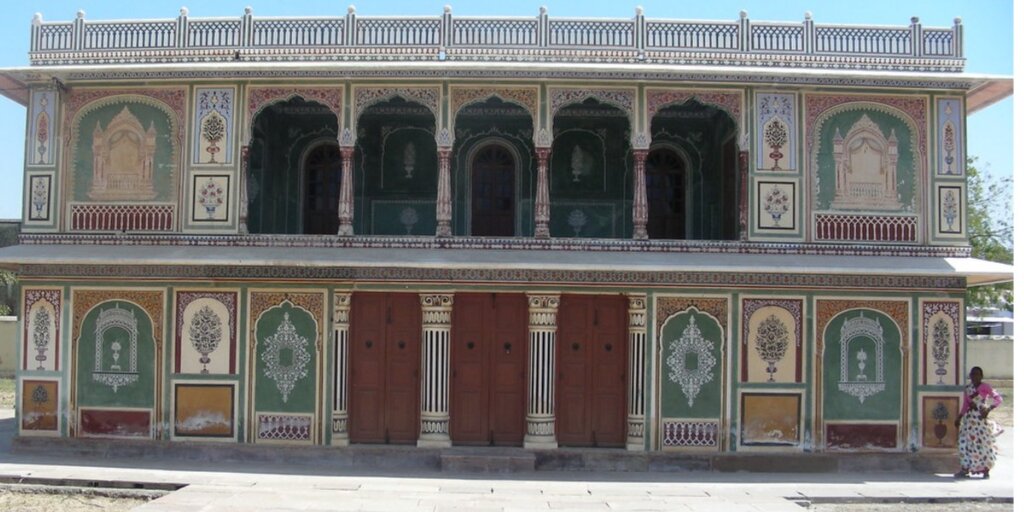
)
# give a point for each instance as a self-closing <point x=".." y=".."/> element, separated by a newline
<point x="205" y="339"/>
<point x="775" y="118"/>
<point x="940" y="355"/>
<point x="863" y="367"/>
<point x="42" y="328"/>
<point x="691" y="352"/>
<point x="116" y="353"/>
<point x="772" y="340"/>
<point x="125" y="152"/>
<point x="865" y="160"/>
<point x="286" y="360"/>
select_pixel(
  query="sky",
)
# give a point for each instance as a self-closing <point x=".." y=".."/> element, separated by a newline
<point x="988" y="35"/>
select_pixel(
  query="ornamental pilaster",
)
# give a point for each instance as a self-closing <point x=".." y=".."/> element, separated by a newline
<point x="435" y="419"/>
<point x="540" y="414"/>
<point x="637" y="372"/>
<point x="339" y="373"/>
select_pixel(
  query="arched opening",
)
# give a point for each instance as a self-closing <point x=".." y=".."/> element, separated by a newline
<point x="666" y="194"/>
<point x="321" y="171"/>
<point x="705" y="136"/>
<point x="493" y="171"/>
<point x="278" y="180"/>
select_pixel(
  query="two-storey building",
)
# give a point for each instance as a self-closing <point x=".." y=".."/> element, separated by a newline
<point x="538" y="231"/>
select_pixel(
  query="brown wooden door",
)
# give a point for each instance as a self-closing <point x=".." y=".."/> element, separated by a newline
<point x="323" y="186"/>
<point x="494" y="192"/>
<point x="591" y="371"/>
<point x="384" y="368"/>
<point x="489" y="341"/>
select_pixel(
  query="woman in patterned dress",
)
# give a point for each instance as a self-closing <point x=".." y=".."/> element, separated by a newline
<point x="977" y="443"/>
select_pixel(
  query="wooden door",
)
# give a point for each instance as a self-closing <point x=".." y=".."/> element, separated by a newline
<point x="494" y="192"/>
<point x="489" y="341"/>
<point x="322" y="188"/>
<point x="385" y="362"/>
<point x="591" y="371"/>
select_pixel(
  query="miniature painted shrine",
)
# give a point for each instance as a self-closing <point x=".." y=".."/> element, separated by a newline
<point x="539" y="231"/>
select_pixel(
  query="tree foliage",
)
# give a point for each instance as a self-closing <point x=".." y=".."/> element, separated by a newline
<point x="990" y="231"/>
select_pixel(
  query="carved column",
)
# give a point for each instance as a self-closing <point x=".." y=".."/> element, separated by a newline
<point x="339" y="376"/>
<point x="346" y="200"/>
<point x="243" y="194"/>
<point x="444" y="192"/>
<point x="542" y="205"/>
<point x="637" y="372"/>
<point x="744" y="200"/>
<point x="640" y="194"/>
<point x="540" y="413"/>
<point x="436" y="364"/>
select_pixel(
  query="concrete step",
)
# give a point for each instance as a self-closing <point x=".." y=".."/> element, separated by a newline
<point x="463" y="462"/>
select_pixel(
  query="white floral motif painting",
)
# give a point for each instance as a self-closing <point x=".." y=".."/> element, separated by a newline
<point x="286" y="375"/>
<point x="691" y="380"/>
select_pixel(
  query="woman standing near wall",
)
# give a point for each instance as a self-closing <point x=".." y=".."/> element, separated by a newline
<point x="977" y="442"/>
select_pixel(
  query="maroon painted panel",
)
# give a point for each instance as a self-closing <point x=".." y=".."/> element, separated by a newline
<point x="861" y="436"/>
<point x="119" y="423"/>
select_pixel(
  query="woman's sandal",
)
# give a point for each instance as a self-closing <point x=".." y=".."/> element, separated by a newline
<point x="962" y="474"/>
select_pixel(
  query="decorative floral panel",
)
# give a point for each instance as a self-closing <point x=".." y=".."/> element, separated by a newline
<point x="950" y="211"/>
<point x="204" y="410"/>
<point x="39" y="204"/>
<point x="211" y="197"/>
<point x="41" y="336"/>
<point x="40" y="406"/>
<point x="213" y="128"/>
<point x="941" y="334"/>
<point x="937" y="421"/>
<point x="775" y="132"/>
<point x="205" y="332"/>
<point x="772" y="349"/>
<point x="777" y="206"/>
<point x="770" y="419"/>
<point x="42" y="125"/>
<point x="949" y="132"/>
<point x="691" y="351"/>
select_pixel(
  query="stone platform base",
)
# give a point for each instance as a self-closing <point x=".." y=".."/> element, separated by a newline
<point x="391" y="458"/>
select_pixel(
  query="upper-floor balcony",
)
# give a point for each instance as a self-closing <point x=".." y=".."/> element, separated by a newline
<point x="741" y="42"/>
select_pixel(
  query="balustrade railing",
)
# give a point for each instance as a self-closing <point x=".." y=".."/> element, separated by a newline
<point x="82" y="41"/>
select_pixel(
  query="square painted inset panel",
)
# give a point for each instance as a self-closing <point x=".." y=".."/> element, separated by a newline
<point x="213" y="131"/>
<point x="204" y="410"/>
<point x="39" y="405"/>
<point x="776" y="205"/>
<point x="770" y="419"/>
<point x="211" y="194"/>
<point x="115" y="422"/>
<point x="864" y="436"/>
<point x="950" y="202"/>
<point x="938" y="417"/>
<point x="39" y="198"/>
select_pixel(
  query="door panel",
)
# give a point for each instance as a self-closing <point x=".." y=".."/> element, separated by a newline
<point x="591" y="366"/>
<point x="384" y="377"/>
<point x="494" y="185"/>
<point x="489" y="334"/>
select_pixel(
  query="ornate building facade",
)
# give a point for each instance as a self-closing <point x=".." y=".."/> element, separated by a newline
<point x="538" y="231"/>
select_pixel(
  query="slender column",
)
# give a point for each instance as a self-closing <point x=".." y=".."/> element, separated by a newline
<point x="444" y="192"/>
<point x="637" y="372"/>
<point x="346" y="201"/>
<point x="540" y="414"/>
<point x="436" y="362"/>
<point x="640" y="194"/>
<point x="339" y="377"/>
<point x="243" y="194"/>
<point x="542" y="204"/>
<point x="744" y="201"/>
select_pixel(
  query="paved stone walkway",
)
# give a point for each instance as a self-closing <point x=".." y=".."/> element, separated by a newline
<point x="223" y="487"/>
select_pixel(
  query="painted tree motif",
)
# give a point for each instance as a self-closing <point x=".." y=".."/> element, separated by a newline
<point x="40" y="395"/>
<point x="205" y="334"/>
<point x="213" y="131"/>
<point x="286" y="371"/>
<point x="691" y="380"/>
<point x="775" y="137"/>
<point x="41" y="334"/>
<point x="771" y="342"/>
<point x="940" y="346"/>
<point x="949" y="208"/>
<point x="940" y="413"/>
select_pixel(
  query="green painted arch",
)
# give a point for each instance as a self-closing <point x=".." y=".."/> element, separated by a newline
<point x="95" y="383"/>
<point x="285" y="360"/>
<point x="686" y="391"/>
<point x="845" y="395"/>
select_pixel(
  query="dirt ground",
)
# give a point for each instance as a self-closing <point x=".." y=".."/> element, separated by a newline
<point x="1004" y="413"/>
<point x="6" y="393"/>
<point x="913" y="507"/>
<point x="13" y="501"/>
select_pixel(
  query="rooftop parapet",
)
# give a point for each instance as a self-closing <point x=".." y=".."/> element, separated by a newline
<point x="502" y="39"/>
